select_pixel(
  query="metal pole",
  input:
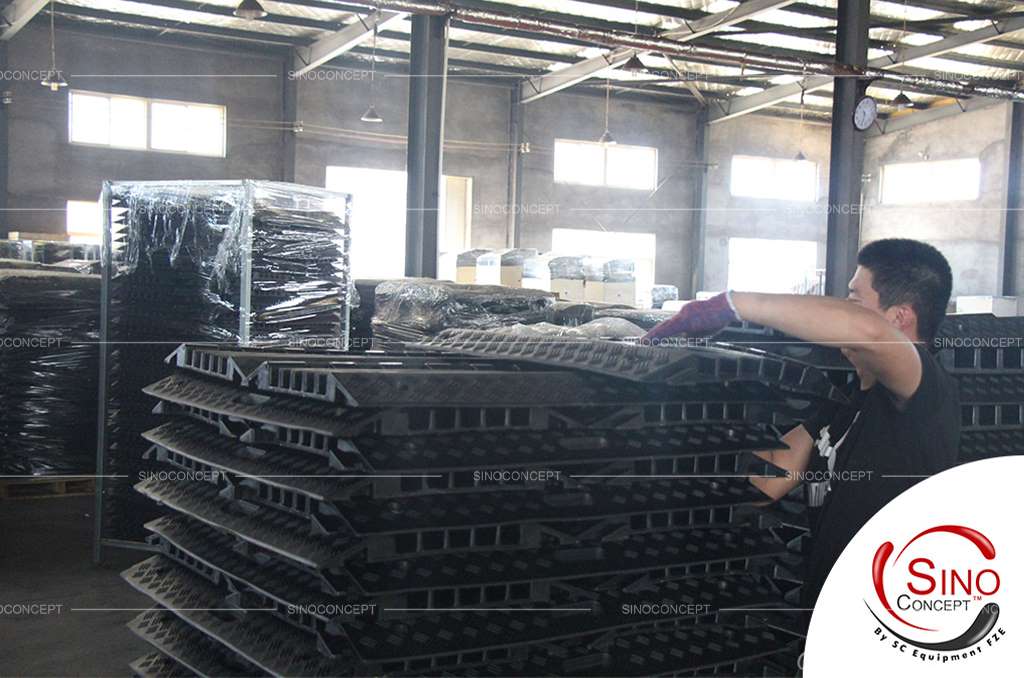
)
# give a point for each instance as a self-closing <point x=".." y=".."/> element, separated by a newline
<point x="846" y="164"/>
<point x="289" y="110"/>
<point x="1011" y="250"/>
<point x="428" y="69"/>
<point x="515" y="168"/>
<point x="700" y="204"/>
<point x="5" y="224"/>
<point x="103" y="378"/>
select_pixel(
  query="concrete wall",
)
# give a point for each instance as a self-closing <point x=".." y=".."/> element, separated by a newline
<point x="477" y="113"/>
<point x="45" y="170"/>
<point x="667" y="214"/>
<point x="969" y="234"/>
<point x="730" y="216"/>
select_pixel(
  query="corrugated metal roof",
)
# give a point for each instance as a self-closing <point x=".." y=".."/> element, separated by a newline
<point x="801" y="28"/>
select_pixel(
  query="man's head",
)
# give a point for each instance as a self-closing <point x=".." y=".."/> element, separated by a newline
<point x="907" y="281"/>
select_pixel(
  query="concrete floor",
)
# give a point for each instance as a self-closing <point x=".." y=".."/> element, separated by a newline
<point x="46" y="557"/>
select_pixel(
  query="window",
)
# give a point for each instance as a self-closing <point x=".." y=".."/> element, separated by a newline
<point x="84" y="221"/>
<point x="792" y="267"/>
<point x="379" y="215"/>
<point x="934" y="181"/>
<point x="147" y="124"/>
<point x="640" y="247"/>
<point x="616" y="166"/>
<point x="774" y="178"/>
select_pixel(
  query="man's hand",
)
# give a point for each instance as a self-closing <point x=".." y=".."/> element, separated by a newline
<point x="696" y="319"/>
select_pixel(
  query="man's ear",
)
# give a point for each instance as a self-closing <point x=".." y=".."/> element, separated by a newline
<point x="902" y="317"/>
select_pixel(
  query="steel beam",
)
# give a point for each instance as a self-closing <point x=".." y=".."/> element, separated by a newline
<point x="755" y="102"/>
<point x="336" y="44"/>
<point x="902" y="122"/>
<point x="541" y="86"/>
<point x="428" y="77"/>
<point x="846" y="164"/>
<point x="17" y="14"/>
<point x="700" y="203"/>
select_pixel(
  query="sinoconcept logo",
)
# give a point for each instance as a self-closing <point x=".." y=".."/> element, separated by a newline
<point x="936" y="598"/>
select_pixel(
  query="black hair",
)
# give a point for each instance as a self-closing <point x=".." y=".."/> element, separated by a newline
<point x="905" y="271"/>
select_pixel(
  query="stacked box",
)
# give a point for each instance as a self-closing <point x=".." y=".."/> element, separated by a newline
<point x="466" y="263"/>
<point x="226" y="262"/>
<point x="503" y="267"/>
<point x="49" y="322"/>
<point x="484" y="504"/>
<point x="568" y="278"/>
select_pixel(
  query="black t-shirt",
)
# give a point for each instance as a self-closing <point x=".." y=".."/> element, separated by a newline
<point x="920" y="439"/>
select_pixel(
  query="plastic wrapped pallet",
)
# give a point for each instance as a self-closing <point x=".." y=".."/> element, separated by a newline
<point x="408" y="310"/>
<point x="465" y="265"/>
<point x="48" y="355"/>
<point x="662" y="293"/>
<point x="568" y="278"/>
<point x="620" y="281"/>
<point x="593" y="274"/>
<point x="503" y="267"/>
<point x="15" y="249"/>
<point x="536" y="272"/>
<point x="248" y="263"/>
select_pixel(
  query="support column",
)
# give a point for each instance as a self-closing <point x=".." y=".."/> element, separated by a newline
<point x="515" y="169"/>
<point x="700" y="207"/>
<point x="1012" y="272"/>
<point x="846" y="165"/>
<point x="289" y="114"/>
<point x="428" y="68"/>
<point x="5" y="222"/>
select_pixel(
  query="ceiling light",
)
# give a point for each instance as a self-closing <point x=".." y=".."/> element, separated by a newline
<point x="634" y="65"/>
<point x="54" y="81"/>
<point x="800" y="157"/>
<point x="372" y="115"/>
<point x="607" y="139"/>
<point x="250" y="9"/>
<point x="902" y="102"/>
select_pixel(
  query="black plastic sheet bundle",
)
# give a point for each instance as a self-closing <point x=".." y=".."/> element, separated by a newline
<point x="229" y="263"/>
<point x="48" y="355"/>
<point x="409" y="310"/>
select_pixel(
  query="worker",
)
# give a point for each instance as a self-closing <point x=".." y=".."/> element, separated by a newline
<point x="902" y="423"/>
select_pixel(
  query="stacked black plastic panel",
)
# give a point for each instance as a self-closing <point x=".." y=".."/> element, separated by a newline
<point x="986" y="355"/>
<point x="476" y="505"/>
<point x="49" y="323"/>
<point x="233" y="263"/>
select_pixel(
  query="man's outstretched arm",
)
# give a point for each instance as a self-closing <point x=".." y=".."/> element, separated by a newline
<point x="793" y="460"/>
<point x="866" y="336"/>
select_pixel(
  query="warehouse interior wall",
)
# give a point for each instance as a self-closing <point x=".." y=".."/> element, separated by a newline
<point x="666" y="212"/>
<point x="45" y="170"/>
<point x="969" y="233"/>
<point x="729" y="216"/>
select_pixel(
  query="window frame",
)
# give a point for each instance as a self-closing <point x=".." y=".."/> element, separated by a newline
<point x="815" y="192"/>
<point x="604" y="167"/>
<point x="149" y="101"/>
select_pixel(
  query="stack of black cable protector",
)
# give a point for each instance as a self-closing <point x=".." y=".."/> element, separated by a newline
<point x="49" y="327"/>
<point x="986" y="355"/>
<point x="476" y="504"/>
<point x="228" y="262"/>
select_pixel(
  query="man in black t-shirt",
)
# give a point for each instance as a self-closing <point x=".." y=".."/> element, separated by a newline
<point x="903" y="420"/>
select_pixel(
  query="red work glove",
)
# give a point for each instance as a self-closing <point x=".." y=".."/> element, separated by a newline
<point x="696" y="319"/>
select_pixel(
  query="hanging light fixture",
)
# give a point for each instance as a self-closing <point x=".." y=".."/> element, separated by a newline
<point x="54" y="80"/>
<point x="250" y="9"/>
<point x="635" y="64"/>
<point x="800" y="157"/>
<point x="607" y="137"/>
<point x="902" y="102"/>
<point x="371" y="114"/>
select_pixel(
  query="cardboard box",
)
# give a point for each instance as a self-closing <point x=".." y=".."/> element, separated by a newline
<point x="593" y="290"/>
<point x="620" y="293"/>
<point x="569" y="290"/>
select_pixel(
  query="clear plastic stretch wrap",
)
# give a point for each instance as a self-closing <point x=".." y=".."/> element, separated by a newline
<point x="49" y="329"/>
<point x="643" y="318"/>
<point x="662" y="293"/>
<point x="470" y="257"/>
<point x="409" y="310"/>
<point x="239" y="263"/>
<point x="15" y="249"/>
<point x="55" y="251"/>
<point x="567" y="268"/>
<point x="620" y="270"/>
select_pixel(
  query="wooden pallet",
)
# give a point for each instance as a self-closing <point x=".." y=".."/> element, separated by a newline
<point x="43" y="486"/>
